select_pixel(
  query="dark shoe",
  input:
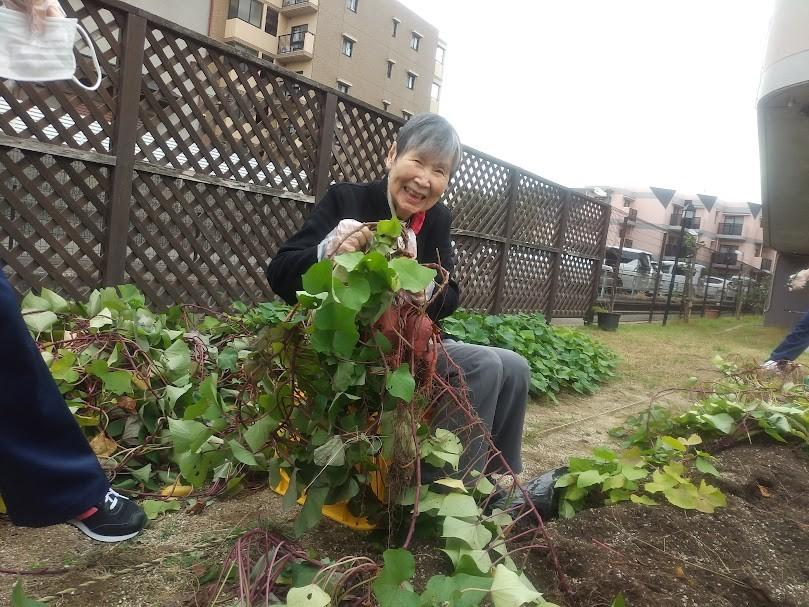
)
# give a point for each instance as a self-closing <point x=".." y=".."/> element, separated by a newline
<point x="541" y="492"/>
<point x="116" y="520"/>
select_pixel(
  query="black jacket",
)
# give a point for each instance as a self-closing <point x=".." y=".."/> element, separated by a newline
<point x="364" y="202"/>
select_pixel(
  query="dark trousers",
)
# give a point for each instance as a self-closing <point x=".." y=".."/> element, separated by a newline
<point x="794" y="343"/>
<point x="48" y="473"/>
<point x="497" y="381"/>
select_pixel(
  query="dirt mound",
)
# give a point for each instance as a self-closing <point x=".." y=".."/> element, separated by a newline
<point x="751" y="554"/>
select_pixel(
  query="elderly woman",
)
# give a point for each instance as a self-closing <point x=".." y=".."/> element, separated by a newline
<point x="419" y="166"/>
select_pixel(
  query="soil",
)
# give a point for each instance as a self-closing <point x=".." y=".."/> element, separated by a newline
<point x="750" y="554"/>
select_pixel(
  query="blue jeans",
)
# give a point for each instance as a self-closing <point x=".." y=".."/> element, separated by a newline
<point x="48" y="473"/>
<point x="795" y="343"/>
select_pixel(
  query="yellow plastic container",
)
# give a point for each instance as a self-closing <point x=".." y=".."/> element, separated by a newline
<point x="339" y="512"/>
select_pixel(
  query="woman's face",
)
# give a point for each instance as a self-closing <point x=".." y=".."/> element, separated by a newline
<point x="415" y="181"/>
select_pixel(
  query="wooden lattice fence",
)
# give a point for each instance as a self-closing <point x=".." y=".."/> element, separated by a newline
<point x="193" y="162"/>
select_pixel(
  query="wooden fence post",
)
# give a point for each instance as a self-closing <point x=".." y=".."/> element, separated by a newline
<point x="602" y="248"/>
<point x="557" y="260"/>
<point x="325" y="145"/>
<point x="511" y="202"/>
<point x="124" y="140"/>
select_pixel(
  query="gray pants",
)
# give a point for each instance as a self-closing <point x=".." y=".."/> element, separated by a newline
<point x="497" y="382"/>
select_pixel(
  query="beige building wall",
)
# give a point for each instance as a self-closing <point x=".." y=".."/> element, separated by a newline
<point x="366" y="70"/>
<point x="649" y="209"/>
<point x="193" y="14"/>
<point x="219" y="14"/>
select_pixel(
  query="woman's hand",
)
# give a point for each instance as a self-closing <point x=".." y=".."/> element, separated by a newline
<point x="348" y="236"/>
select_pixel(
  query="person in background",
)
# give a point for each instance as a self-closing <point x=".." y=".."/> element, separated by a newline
<point x="797" y="340"/>
<point x="48" y="473"/>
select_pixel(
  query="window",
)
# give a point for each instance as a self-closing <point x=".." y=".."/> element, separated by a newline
<point x="271" y="23"/>
<point x="246" y="10"/>
<point x="385" y="104"/>
<point x="348" y="46"/>
<point x="352" y="5"/>
<point x="727" y="254"/>
<point x="628" y="243"/>
<point x="758" y="251"/>
<point x="389" y="71"/>
<point x="415" y="40"/>
<point x="298" y="36"/>
<point x="628" y="201"/>
<point x="439" y="55"/>
<point x="407" y="115"/>
<point x="411" y="80"/>
<point x="343" y="86"/>
<point x="396" y="23"/>
<point x="435" y="93"/>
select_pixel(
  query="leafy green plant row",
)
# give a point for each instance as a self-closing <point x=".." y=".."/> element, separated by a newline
<point x="158" y="393"/>
<point x="661" y="458"/>
<point x="560" y="357"/>
<point x="163" y="397"/>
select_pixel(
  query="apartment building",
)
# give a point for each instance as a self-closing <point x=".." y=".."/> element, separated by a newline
<point x="734" y="230"/>
<point x="378" y="51"/>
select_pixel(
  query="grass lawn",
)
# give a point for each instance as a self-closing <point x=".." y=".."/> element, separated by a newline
<point x="653" y="358"/>
<point x="658" y="357"/>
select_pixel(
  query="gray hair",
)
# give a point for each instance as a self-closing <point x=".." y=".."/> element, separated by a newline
<point x="433" y="135"/>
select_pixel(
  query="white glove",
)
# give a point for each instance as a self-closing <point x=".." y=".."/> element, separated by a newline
<point x="798" y="280"/>
<point x="347" y="236"/>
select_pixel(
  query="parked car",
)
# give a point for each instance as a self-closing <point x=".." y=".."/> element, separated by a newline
<point x="715" y="286"/>
<point x="697" y="276"/>
<point x="635" y="268"/>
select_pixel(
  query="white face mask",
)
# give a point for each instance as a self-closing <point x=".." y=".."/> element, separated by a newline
<point x="41" y="56"/>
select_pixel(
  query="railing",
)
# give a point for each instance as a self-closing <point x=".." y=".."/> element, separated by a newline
<point x="194" y="162"/>
<point x="651" y="295"/>
<point x="296" y="41"/>
<point x="693" y="223"/>
<point x="726" y="259"/>
<point x="730" y="229"/>
<point x="286" y="3"/>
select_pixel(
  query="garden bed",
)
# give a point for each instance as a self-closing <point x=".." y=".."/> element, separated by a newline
<point x="757" y="541"/>
<point x="750" y="554"/>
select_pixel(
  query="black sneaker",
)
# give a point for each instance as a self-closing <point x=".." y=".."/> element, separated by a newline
<point x="116" y="520"/>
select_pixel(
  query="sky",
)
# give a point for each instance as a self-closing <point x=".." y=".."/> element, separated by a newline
<point x="625" y="93"/>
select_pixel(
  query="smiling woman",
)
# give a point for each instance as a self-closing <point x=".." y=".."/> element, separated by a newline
<point x="420" y="165"/>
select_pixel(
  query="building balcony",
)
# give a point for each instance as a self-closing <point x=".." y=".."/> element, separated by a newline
<point x="294" y="8"/>
<point x="237" y="30"/>
<point x="295" y="47"/>
<point x="726" y="260"/>
<point x="677" y="219"/>
<point x="730" y="229"/>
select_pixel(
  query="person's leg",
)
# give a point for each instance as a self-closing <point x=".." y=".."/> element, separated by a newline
<point x="48" y="473"/>
<point x="794" y="343"/>
<point x="497" y="384"/>
<point x="509" y="418"/>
